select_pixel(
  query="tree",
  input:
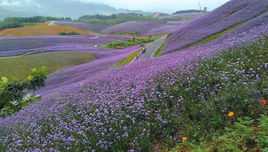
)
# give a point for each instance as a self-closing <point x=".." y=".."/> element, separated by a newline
<point x="37" y="78"/>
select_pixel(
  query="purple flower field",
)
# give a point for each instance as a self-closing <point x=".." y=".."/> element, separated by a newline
<point x="93" y="27"/>
<point x="93" y="108"/>
<point x="168" y="27"/>
<point x="230" y="14"/>
<point x="16" y="46"/>
<point x="105" y="91"/>
<point x="67" y="76"/>
<point x="132" y="26"/>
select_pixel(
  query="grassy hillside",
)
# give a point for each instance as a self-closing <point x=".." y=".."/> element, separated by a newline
<point x="19" y="67"/>
<point x="40" y="29"/>
<point x="128" y="43"/>
<point x="127" y="60"/>
<point x="121" y="18"/>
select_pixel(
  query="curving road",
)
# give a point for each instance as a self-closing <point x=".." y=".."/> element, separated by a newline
<point x="151" y="49"/>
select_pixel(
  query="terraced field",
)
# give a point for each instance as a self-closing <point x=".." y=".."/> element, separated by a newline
<point x="41" y="29"/>
<point x="19" y="67"/>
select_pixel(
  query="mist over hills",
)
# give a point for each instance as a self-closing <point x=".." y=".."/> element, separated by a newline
<point x="63" y="8"/>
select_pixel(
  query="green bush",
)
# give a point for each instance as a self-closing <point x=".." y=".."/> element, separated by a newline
<point x="69" y="33"/>
<point x="13" y="24"/>
<point x="130" y="42"/>
<point x="12" y="93"/>
<point x="245" y="135"/>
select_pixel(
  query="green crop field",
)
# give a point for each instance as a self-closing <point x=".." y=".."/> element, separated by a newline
<point x="19" y="67"/>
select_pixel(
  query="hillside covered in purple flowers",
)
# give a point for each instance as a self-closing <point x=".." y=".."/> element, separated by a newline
<point x="206" y="91"/>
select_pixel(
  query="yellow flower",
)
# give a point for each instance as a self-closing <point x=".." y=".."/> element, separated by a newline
<point x="30" y="78"/>
<point x="184" y="138"/>
<point x="231" y="114"/>
<point x="4" y="80"/>
<point x="34" y="70"/>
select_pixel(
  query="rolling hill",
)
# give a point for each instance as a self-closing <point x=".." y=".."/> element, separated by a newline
<point x="41" y="29"/>
<point x="231" y="14"/>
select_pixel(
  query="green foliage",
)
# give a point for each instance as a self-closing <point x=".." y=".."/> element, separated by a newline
<point x="12" y="94"/>
<point x="52" y="60"/>
<point x="159" y="52"/>
<point x="130" y="42"/>
<point x="2" y="146"/>
<point x="69" y="33"/>
<point x="5" y="25"/>
<point x="128" y="59"/>
<point x="37" y="78"/>
<point x="35" y="19"/>
<point x="137" y="33"/>
<point x="15" y="22"/>
<point x="98" y="16"/>
<point x="13" y="91"/>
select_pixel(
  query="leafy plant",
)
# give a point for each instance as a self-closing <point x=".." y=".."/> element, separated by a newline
<point x="12" y="93"/>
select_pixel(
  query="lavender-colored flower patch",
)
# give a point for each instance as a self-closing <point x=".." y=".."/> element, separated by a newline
<point x="70" y="75"/>
<point x="168" y="27"/>
<point x="230" y="14"/>
<point x="16" y="46"/>
<point x="88" y="26"/>
<point x="132" y="26"/>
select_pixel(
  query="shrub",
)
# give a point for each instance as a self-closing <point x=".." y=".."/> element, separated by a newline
<point x="37" y="78"/>
<point x="130" y="42"/>
<point x="69" y="33"/>
<point x="12" y="93"/>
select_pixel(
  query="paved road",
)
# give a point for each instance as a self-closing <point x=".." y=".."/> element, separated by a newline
<point x="151" y="49"/>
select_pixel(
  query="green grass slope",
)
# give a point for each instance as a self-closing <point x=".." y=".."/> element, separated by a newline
<point x="19" y="67"/>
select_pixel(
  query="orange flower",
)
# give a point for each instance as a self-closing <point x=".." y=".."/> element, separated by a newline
<point x="263" y="102"/>
<point x="231" y="114"/>
<point x="184" y="138"/>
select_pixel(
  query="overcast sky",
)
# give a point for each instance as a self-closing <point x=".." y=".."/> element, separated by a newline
<point x="161" y="5"/>
<point x="168" y="6"/>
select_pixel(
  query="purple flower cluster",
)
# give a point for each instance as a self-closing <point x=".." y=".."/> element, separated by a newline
<point x="132" y="26"/>
<point x="230" y="14"/>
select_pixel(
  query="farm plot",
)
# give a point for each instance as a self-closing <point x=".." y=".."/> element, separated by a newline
<point x="17" y="46"/>
<point x="41" y="29"/>
<point x="18" y="68"/>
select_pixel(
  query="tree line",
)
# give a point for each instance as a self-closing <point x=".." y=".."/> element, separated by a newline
<point x="15" y="22"/>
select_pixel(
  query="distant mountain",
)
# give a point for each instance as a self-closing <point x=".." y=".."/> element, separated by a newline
<point x="8" y="13"/>
<point x="60" y="8"/>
